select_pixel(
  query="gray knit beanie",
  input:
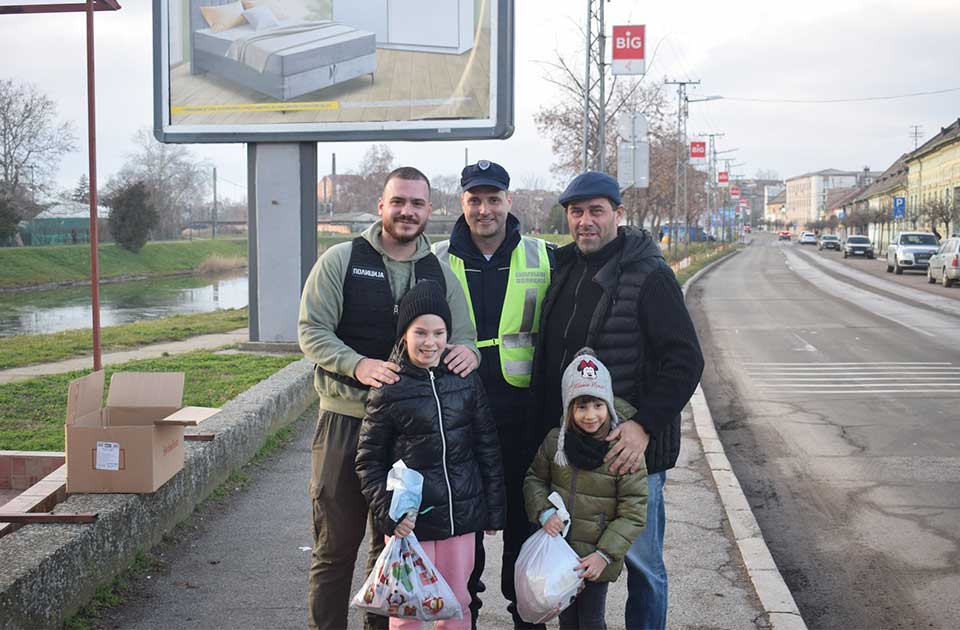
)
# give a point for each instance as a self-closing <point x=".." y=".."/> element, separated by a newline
<point x="585" y="376"/>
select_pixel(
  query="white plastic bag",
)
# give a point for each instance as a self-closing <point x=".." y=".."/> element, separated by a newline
<point x="405" y="583"/>
<point x="545" y="574"/>
<point x="407" y="487"/>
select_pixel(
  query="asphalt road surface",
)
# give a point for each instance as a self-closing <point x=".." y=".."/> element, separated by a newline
<point x="839" y="405"/>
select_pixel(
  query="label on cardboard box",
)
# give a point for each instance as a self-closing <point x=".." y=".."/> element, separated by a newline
<point x="108" y="456"/>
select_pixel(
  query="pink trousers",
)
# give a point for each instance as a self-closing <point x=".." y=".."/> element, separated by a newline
<point x="453" y="558"/>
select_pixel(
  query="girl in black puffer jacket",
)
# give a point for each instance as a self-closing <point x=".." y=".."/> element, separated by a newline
<point x="439" y="424"/>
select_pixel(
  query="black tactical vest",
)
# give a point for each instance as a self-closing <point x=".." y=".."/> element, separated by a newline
<point x="368" y="323"/>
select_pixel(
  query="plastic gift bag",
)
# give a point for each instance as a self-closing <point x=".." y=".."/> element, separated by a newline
<point x="545" y="574"/>
<point x="405" y="583"/>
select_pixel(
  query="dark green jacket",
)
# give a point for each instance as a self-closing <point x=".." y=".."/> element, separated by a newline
<point x="608" y="512"/>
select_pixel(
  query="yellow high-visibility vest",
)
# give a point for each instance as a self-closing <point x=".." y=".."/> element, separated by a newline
<point x="520" y="316"/>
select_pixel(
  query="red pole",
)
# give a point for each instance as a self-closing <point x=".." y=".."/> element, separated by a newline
<point x="92" y="154"/>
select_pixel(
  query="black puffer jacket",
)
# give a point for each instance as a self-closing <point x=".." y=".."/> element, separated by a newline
<point x="440" y="425"/>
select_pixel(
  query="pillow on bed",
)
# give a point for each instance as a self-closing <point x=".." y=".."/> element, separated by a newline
<point x="222" y="17"/>
<point x="274" y="7"/>
<point x="260" y="18"/>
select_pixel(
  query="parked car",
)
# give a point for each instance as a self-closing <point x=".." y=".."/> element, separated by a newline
<point x="829" y="241"/>
<point x="858" y="245"/>
<point x="945" y="264"/>
<point x="911" y="250"/>
<point x="783" y="235"/>
<point x="807" y="238"/>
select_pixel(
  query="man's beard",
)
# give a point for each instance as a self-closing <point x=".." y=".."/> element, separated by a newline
<point x="388" y="227"/>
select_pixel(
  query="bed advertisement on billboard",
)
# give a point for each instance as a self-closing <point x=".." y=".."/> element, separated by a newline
<point x="329" y="70"/>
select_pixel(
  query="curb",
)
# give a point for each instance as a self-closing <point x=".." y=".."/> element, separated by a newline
<point x="49" y="571"/>
<point x="775" y="597"/>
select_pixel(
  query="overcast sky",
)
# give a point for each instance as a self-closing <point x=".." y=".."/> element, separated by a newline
<point x="751" y="49"/>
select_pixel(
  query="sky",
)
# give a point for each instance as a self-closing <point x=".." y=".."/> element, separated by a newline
<point x="755" y="54"/>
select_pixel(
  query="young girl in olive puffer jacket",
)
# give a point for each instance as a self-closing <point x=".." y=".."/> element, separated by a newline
<point x="607" y="511"/>
<point x="440" y="425"/>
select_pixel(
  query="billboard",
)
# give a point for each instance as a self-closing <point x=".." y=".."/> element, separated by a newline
<point x="723" y="179"/>
<point x="330" y="70"/>
<point x="698" y="149"/>
<point x="628" y="50"/>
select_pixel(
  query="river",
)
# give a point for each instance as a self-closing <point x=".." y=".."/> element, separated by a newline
<point x="30" y="312"/>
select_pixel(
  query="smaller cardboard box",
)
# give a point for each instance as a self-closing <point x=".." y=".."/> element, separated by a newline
<point x="135" y="442"/>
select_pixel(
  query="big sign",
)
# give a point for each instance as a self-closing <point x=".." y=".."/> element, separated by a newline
<point x="734" y="192"/>
<point x="698" y="149"/>
<point x="628" y="50"/>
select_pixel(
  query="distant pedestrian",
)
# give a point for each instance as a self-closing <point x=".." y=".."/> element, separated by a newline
<point x="614" y="292"/>
<point x="440" y="425"/>
<point x="607" y="510"/>
<point x="936" y="233"/>
<point x="348" y="321"/>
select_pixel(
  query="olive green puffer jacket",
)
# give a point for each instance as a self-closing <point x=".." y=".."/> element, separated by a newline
<point x="608" y="512"/>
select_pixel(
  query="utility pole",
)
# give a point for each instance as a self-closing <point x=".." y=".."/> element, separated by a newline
<point x="466" y="156"/>
<point x="333" y="184"/>
<point x="915" y="133"/>
<point x="682" y="154"/>
<point x="213" y="227"/>
<point x="594" y="105"/>
<point x="711" y="175"/>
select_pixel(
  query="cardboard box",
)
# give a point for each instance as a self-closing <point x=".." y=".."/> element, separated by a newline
<point x="135" y="442"/>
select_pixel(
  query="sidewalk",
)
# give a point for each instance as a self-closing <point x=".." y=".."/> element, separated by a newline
<point x="201" y="342"/>
<point x="206" y="583"/>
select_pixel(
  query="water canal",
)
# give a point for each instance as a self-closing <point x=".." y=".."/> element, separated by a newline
<point x="30" y="312"/>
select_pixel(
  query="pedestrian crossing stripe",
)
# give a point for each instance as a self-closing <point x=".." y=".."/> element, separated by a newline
<point x="855" y="378"/>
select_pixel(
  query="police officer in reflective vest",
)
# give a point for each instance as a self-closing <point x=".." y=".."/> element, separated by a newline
<point x="504" y="276"/>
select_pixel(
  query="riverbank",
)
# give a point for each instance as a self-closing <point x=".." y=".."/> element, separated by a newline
<point x="23" y="350"/>
<point x="27" y="268"/>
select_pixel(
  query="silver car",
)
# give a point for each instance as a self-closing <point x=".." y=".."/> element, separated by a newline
<point x="911" y="250"/>
<point x="945" y="264"/>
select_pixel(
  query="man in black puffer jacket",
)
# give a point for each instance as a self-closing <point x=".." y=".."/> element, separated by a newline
<point x="614" y="292"/>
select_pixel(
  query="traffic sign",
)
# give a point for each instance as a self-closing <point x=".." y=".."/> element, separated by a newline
<point x="734" y="192"/>
<point x="632" y="126"/>
<point x="633" y="164"/>
<point x="899" y="207"/>
<point x="698" y="149"/>
<point x="628" y="50"/>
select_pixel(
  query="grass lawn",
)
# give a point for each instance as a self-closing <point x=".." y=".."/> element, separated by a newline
<point x="23" y="350"/>
<point x="701" y="259"/>
<point x="32" y="412"/>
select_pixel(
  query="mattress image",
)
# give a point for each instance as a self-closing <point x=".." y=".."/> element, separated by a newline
<point x="291" y="48"/>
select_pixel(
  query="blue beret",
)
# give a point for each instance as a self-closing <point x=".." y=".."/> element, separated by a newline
<point x="589" y="185"/>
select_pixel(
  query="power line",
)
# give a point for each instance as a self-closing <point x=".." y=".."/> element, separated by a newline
<point x="840" y="100"/>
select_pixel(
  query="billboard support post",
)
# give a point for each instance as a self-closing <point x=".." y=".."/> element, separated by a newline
<point x="282" y="222"/>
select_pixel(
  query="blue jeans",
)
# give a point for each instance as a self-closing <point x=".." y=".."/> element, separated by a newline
<point x="646" y="573"/>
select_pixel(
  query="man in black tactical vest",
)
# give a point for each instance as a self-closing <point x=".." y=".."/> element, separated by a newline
<point x="347" y="327"/>
<point x="504" y="276"/>
<point x="614" y="292"/>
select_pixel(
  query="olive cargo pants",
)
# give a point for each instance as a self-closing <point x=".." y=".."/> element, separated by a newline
<point x="339" y="515"/>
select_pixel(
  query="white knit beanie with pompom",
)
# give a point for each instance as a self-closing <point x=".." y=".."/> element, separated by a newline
<point x="585" y="376"/>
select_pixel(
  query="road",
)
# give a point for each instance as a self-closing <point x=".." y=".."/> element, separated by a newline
<point x="837" y="404"/>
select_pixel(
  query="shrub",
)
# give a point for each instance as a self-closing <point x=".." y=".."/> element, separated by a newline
<point x="132" y="216"/>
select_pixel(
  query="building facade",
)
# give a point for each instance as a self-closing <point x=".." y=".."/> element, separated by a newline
<point x="933" y="172"/>
<point x="806" y="199"/>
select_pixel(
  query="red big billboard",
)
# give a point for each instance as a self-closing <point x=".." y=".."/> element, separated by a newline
<point x="698" y="149"/>
<point x="628" y="50"/>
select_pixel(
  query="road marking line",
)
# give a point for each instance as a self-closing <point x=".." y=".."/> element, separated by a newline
<point x="818" y="386"/>
<point x="854" y="363"/>
<point x="781" y="379"/>
<point x="806" y="346"/>
<point x="874" y="392"/>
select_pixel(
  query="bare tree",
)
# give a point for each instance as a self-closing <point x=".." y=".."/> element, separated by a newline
<point x="939" y="212"/>
<point x="32" y="140"/>
<point x="174" y="178"/>
<point x="445" y="194"/>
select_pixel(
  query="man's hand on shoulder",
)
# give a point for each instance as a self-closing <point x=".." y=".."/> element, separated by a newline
<point x="461" y="360"/>
<point x="631" y="443"/>
<point x="376" y="373"/>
